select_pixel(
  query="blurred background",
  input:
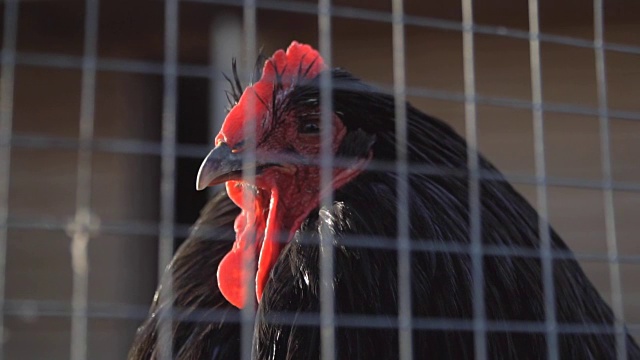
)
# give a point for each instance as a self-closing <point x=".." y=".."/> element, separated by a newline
<point x="130" y="100"/>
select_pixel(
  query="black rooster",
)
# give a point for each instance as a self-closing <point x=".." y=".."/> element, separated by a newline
<point x="284" y="105"/>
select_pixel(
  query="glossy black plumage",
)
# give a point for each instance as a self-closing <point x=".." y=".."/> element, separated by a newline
<point x="195" y="293"/>
<point x="365" y="279"/>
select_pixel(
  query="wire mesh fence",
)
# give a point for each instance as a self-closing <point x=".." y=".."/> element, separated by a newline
<point x="97" y="144"/>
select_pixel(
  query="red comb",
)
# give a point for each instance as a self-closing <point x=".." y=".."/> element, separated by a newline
<point x="298" y="62"/>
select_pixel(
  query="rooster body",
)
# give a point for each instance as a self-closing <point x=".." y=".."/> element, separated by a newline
<point x="363" y="213"/>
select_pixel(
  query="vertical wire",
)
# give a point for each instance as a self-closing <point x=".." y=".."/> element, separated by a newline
<point x="551" y="330"/>
<point x="167" y="182"/>
<point x="248" y="312"/>
<point x="327" y="296"/>
<point x="605" y="152"/>
<point x="405" y="337"/>
<point x="225" y="43"/>
<point x="84" y="221"/>
<point x="10" y="34"/>
<point x="471" y="128"/>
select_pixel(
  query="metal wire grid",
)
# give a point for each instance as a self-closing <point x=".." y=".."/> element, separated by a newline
<point x="247" y="314"/>
<point x="168" y="166"/>
<point x="541" y="190"/>
<point x="80" y="310"/>
<point x="402" y="169"/>
<point x="327" y="299"/>
<point x="607" y="192"/>
<point x="468" y="51"/>
<point x="80" y="229"/>
<point x="7" y="73"/>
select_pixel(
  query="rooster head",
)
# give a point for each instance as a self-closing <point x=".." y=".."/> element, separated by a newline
<point x="282" y="111"/>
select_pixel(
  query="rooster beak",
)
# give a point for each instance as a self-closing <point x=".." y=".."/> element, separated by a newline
<point x="219" y="166"/>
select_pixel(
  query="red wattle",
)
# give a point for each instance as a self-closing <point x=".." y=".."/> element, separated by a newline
<point x="271" y="245"/>
<point x="268" y="256"/>
<point x="251" y="223"/>
<point x="230" y="277"/>
<point x="254" y="220"/>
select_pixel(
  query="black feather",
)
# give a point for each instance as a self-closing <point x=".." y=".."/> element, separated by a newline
<point x="362" y="221"/>
<point x="195" y="295"/>
<point x="233" y="96"/>
<point x="257" y="69"/>
<point x="365" y="280"/>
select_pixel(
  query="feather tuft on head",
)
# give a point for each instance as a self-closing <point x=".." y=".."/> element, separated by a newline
<point x="280" y="73"/>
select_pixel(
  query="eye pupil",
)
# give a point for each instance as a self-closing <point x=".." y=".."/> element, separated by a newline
<point x="310" y="128"/>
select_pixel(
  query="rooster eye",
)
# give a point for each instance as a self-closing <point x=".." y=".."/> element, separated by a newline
<point x="309" y="128"/>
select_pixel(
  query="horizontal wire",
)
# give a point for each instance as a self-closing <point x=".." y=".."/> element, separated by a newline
<point x="192" y="151"/>
<point x="131" y="228"/>
<point x="31" y="309"/>
<point x="355" y="13"/>
<point x="126" y="65"/>
<point x="204" y="71"/>
<point x="355" y="241"/>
